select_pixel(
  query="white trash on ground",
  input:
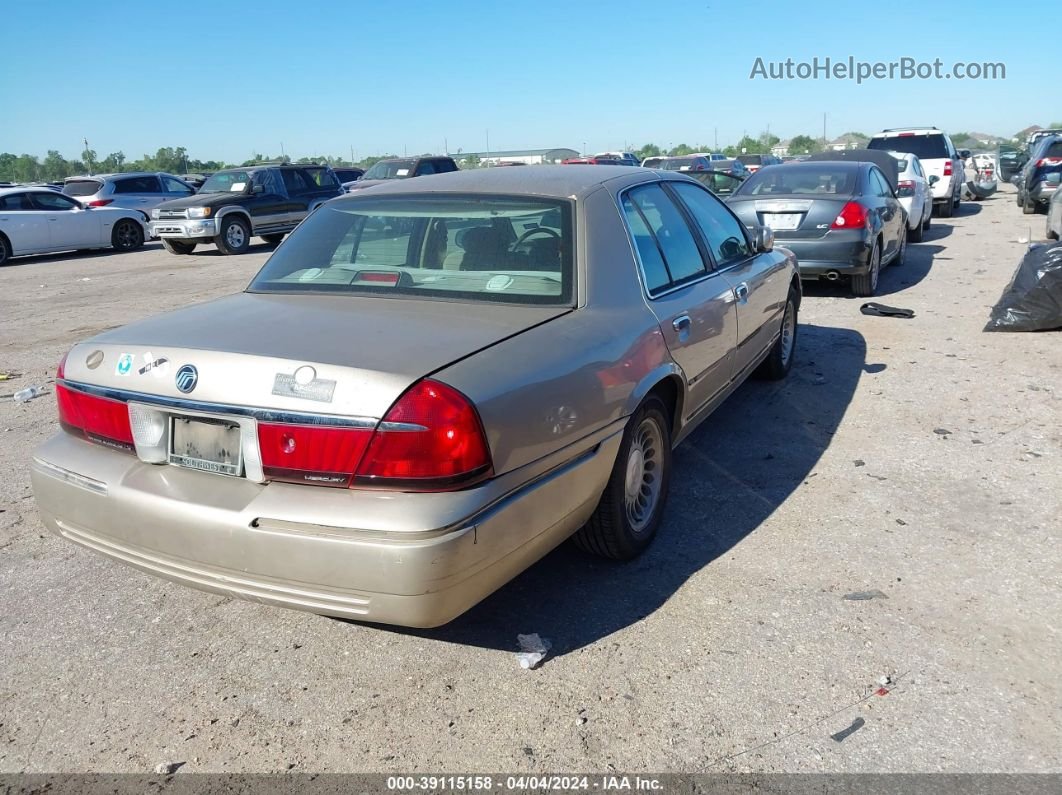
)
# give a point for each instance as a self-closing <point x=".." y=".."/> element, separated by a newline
<point x="533" y="650"/>
<point x="30" y="392"/>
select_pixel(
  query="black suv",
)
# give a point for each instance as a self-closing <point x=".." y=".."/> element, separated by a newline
<point x="404" y="168"/>
<point x="233" y="205"/>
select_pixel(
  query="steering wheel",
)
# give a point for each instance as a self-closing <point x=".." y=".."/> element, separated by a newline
<point x="538" y="230"/>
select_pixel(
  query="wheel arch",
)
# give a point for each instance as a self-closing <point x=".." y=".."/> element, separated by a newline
<point x="667" y="382"/>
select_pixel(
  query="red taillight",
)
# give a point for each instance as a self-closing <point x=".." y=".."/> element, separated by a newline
<point x="100" y="202"/>
<point x="430" y="439"/>
<point x="852" y="216"/>
<point x="905" y="187"/>
<point x="98" y="419"/>
<point x="1049" y="161"/>
<point x="322" y="455"/>
<point x="947" y="168"/>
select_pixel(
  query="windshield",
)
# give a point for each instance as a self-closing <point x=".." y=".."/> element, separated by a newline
<point x="750" y="160"/>
<point x="819" y="178"/>
<point x="226" y="182"/>
<point x="391" y="169"/>
<point x="465" y="248"/>
<point x="924" y="147"/>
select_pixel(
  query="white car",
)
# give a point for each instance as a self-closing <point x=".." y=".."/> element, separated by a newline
<point x="40" y="221"/>
<point x="938" y="156"/>
<point x="915" y="193"/>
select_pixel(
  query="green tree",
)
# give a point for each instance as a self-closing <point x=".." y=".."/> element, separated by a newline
<point x="751" y="146"/>
<point x="681" y="150"/>
<point x="649" y="150"/>
<point x="27" y="169"/>
<point x="804" y="144"/>
<point x="55" y="167"/>
<point x="88" y="157"/>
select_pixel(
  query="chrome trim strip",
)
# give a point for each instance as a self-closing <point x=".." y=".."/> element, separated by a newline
<point x="71" y="477"/>
<point x="401" y="426"/>
<point x="260" y="414"/>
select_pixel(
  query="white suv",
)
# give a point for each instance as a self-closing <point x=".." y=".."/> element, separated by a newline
<point x="938" y="157"/>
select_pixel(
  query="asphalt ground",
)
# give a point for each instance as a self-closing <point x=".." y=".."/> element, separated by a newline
<point x="912" y="461"/>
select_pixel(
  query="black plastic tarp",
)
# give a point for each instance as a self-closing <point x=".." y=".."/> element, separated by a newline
<point x="1033" y="299"/>
<point x="889" y="165"/>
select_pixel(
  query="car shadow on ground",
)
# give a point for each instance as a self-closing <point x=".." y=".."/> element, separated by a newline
<point x="894" y="279"/>
<point x="971" y="207"/>
<point x="728" y="477"/>
<point x="210" y="250"/>
<point x="48" y="259"/>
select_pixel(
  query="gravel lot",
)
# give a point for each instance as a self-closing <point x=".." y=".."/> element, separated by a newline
<point x="917" y="458"/>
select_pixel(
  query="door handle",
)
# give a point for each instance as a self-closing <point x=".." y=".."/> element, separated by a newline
<point x="681" y="322"/>
<point x="742" y="292"/>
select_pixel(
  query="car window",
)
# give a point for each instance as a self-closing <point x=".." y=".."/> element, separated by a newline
<point x="53" y="201"/>
<point x="320" y="178"/>
<point x="226" y="182"/>
<point x="502" y="249"/>
<point x="82" y="187"/>
<point x="672" y="235"/>
<point x="879" y="185"/>
<point x="175" y="185"/>
<point x="15" y="201"/>
<point x="917" y="164"/>
<point x="925" y="147"/>
<point x="650" y="259"/>
<point x="294" y="181"/>
<point x="813" y="178"/>
<point x="424" y="167"/>
<point x="143" y="184"/>
<point x="444" y="166"/>
<point x="723" y="232"/>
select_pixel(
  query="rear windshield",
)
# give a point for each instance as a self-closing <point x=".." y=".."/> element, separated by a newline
<point x="750" y="160"/>
<point x="82" y="187"/>
<point x="226" y="182"/>
<point x="391" y="169"/>
<point x="821" y="178"/>
<point x="682" y="163"/>
<point x="924" y="147"/>
<point x="468" y="248"/>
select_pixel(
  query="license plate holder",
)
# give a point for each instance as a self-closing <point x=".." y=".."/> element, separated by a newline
<point x="206" y="444"/>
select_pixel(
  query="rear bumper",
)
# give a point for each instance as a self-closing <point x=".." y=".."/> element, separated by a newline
<point x="815" y="258"/>
<point x="944" y="190"/>
<point x="281" y="544"/>
<point x="1042" y="192"/>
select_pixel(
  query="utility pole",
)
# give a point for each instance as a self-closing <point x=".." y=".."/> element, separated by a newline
<point x="84" y="140"/>
<point x="824" y="130"/>
<point x="488" y="143"/>
<point x="281" y="150"/>
<point x="717" y="139"/>
<point x="446" y="147"/>
<point x="351" y="155"/>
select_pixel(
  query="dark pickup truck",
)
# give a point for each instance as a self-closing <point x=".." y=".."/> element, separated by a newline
<point x="266" y="201"/>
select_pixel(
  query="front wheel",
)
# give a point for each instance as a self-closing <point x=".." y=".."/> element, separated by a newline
<point x="178" y="246"/>
<point x="628" y="515"/>
<point x="780" y="360"/>
<point x="234" y="237"/>
<point x="127" y="235"/>
<point x="866" y="284"/>
<point x="5" y="250"/>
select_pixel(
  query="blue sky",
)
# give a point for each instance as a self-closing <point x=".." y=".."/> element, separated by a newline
<point x="230" y="79"/>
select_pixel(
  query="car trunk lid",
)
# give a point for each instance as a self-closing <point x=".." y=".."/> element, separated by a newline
<point x="793" y="217"/>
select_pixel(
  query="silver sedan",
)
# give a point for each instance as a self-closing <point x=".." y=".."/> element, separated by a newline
<point x="427" y="387"/>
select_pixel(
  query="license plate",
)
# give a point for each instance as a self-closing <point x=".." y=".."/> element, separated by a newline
<point x="206" y="444"/>
<point x="782" y="221"/>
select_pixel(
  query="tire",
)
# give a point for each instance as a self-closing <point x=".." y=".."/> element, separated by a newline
<point x="5" y="250"/>
<point x="616" y="530"/>
<point x="273" y="240"/>
<point x="915" y="235"/>
<point x="178" y="246"/>
<point x="866" y="285"/>
<point x="127" y="235"/>
<point x="780" y="360"/>
<point x="901" y="255"/>
<point x="1028" y="207"/>
<point x="929" y="220"/>
<point x="947" y="209"/>
<point x="1051" y="234"/>
<point x="234" y="237"/>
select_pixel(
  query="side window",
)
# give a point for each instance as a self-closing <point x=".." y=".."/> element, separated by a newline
<point x="424" y="167"/>
<point x="724" y="233"/>
<point x="15" y="201"/>
<point x="294" y="181"/>
<point x="319" y="177"/>
<point x="880" y="184"/>
<point x="676" y="248"/>
<point x="146" y="184"/>
<point x="174" y="186"/>
<point x="444" y="166"/>
<point x="53" y="201"/>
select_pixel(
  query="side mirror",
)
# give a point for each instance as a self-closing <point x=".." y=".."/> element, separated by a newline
<point x="762" y="238"/>
<point x="258" y="189"/>
<point x="933" y="179"/>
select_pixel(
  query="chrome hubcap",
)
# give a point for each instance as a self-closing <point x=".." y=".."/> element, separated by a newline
<point x="788" y="333"/>
<point x="643" y="477"/>
<point x="234" y="236"/>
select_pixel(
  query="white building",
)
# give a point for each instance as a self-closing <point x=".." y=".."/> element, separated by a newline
<point x="531" y="157"/>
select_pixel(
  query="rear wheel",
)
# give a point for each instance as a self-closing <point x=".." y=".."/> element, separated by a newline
<point x="1028" y="207"/>
<point x="901" y="255"/>
<point x="627" y="517"/>
<point x="866" y="284"/>
<point x="178" y="246"/>
<point x="946" y="209"/>
<point x="780" y="360"/>
<point x="234" y="236"/>
<point x="273" y="240"/>
<point x="915" y="235"/>
<point x="5" y="250"/>
<point x="127" y="235"/>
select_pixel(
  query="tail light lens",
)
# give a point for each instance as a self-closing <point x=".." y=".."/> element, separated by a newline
<point x="100" y="202"/>
<point x="852" y="216"/>
<point x="947" y="168"/>
<point x="99" y="420"/>
<point x="1049" y="161"/>
<point x="430" y="440"/>
<point x="905" y="187"/>
<point x="320" y="455"/>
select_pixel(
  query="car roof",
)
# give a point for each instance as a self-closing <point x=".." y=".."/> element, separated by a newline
<point x="119" y="174"/>
<point x="26" y="189"/>
<point x="572" y="181"/>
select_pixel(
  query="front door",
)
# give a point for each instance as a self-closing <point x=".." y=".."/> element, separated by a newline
<point x="69" y="224"/>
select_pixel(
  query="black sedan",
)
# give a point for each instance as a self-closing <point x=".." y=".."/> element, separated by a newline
<point x="841" y="218"/>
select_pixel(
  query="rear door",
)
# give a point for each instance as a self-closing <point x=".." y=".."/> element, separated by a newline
<point x="888" y="208"/>
<point x="276" y="207"/>
<point x="694" y="306"/>
<point x="138" y="193"/>
<point x="760" y="281"/>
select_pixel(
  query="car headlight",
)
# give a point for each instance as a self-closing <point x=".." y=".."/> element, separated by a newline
<point x="199" y="212"/>
<point x="155" y="213"/>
